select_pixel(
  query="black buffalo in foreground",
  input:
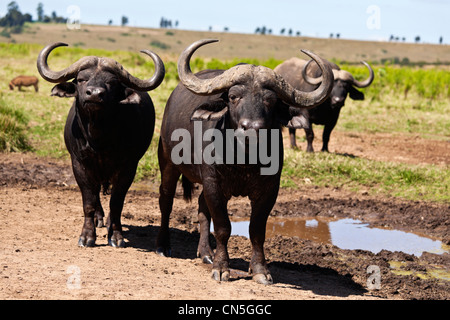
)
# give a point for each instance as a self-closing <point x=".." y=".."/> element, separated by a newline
<point x="205" y="116"/>
<point x="303" y="75"/>
<point x="108" y="129"/>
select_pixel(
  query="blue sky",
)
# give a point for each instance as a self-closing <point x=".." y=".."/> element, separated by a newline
<point x="362" y="20"/>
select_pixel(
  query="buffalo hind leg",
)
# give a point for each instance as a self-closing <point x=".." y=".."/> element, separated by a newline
<point x="99" y="215"/>
<point x="204" y="250"/>
<point x="217" y="205"/>
<point x="169" y="180"/>
<point x="292" y="138"/>
<point x="309" y="139"/>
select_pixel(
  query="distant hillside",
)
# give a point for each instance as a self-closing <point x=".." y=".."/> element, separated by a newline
<point x="170" y="42"/>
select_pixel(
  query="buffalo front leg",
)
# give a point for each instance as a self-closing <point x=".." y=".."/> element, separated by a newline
<point x="326" y="135"/>
<point x="90" y="193"/>
<point x="90" y="200"/>
<point x="260" y="212"/>
<point x="119" y="191"/>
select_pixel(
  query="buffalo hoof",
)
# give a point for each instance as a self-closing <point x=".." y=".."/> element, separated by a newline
<point x="207" y="260"/>
<point x="220" y="276"/>
<point x="116" y="243"/>
<point x="164" y="252"/>
<point x="263" y="279"/>
<point x="86" y="243"/>
<point x="100" y="223"/>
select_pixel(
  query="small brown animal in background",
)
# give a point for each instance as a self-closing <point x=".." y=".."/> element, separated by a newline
<point x="24" y="81"/>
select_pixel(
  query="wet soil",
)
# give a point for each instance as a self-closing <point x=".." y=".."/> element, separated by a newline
<point x="41" y="218"/>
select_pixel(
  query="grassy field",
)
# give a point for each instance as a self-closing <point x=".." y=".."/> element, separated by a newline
<point x="169" y="43"/>
<point x="401" y="100"/>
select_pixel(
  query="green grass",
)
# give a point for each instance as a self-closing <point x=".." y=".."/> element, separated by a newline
<point x="401" y="100"/>
<point x="413" y="115"/>
<point x="376" y="177"/>
<point x="13" y="125"/>
<point x="429" y="84"/>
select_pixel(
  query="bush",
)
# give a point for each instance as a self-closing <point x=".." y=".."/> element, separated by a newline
<point x="159" y="45"/>
<point x="5" y="33"/>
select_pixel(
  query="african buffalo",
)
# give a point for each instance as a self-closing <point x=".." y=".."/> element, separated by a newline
<point x="246" y="100"/>
<point x="24" y="81"/>
<point x="300" y="74"/>
<point x="108" y="129"/>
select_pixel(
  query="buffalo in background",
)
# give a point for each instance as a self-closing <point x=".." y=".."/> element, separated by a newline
<point x="305" y="76"/>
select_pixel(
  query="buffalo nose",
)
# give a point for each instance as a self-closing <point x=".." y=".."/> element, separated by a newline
<point x="247" y="124"/>
<point x="95" y="92"/>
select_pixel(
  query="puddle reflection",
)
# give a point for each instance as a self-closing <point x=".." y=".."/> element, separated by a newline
<point x="346" y="234"/>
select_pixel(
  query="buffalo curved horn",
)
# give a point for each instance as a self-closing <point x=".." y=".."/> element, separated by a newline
<point x="87" y="62"/>
<point x="368" y="81"/>
<point x="207" y="86"/>
<point x="310" y="80"/>
<point x="340" y="74"/>
<point x="265" y="76"/>
<point x="337" y="74"/>
<point x="63" y="75"/>
<point x="311" y="99"/>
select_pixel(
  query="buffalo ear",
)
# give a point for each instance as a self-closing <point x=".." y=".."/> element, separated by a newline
<point x="131" y="97"/>
<point x="64" y="90"/>
<point x="356" y="94"/>
<point x="291" y="117"/>
<point x="212" y="110"/>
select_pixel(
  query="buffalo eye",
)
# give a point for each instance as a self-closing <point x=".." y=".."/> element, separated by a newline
<point x="233" y="98"/>
<point x="270" y="99"/>
<point x="113" y="83"/>
<point x="235" y="94"/>
<point x="81" y="80"/>
<point x="347" y="85"/>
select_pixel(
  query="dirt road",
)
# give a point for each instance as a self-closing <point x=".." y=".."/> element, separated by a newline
<point x="41" y="218"/>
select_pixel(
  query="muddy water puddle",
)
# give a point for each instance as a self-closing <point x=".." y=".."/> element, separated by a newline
<point x="348" y="234"/>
